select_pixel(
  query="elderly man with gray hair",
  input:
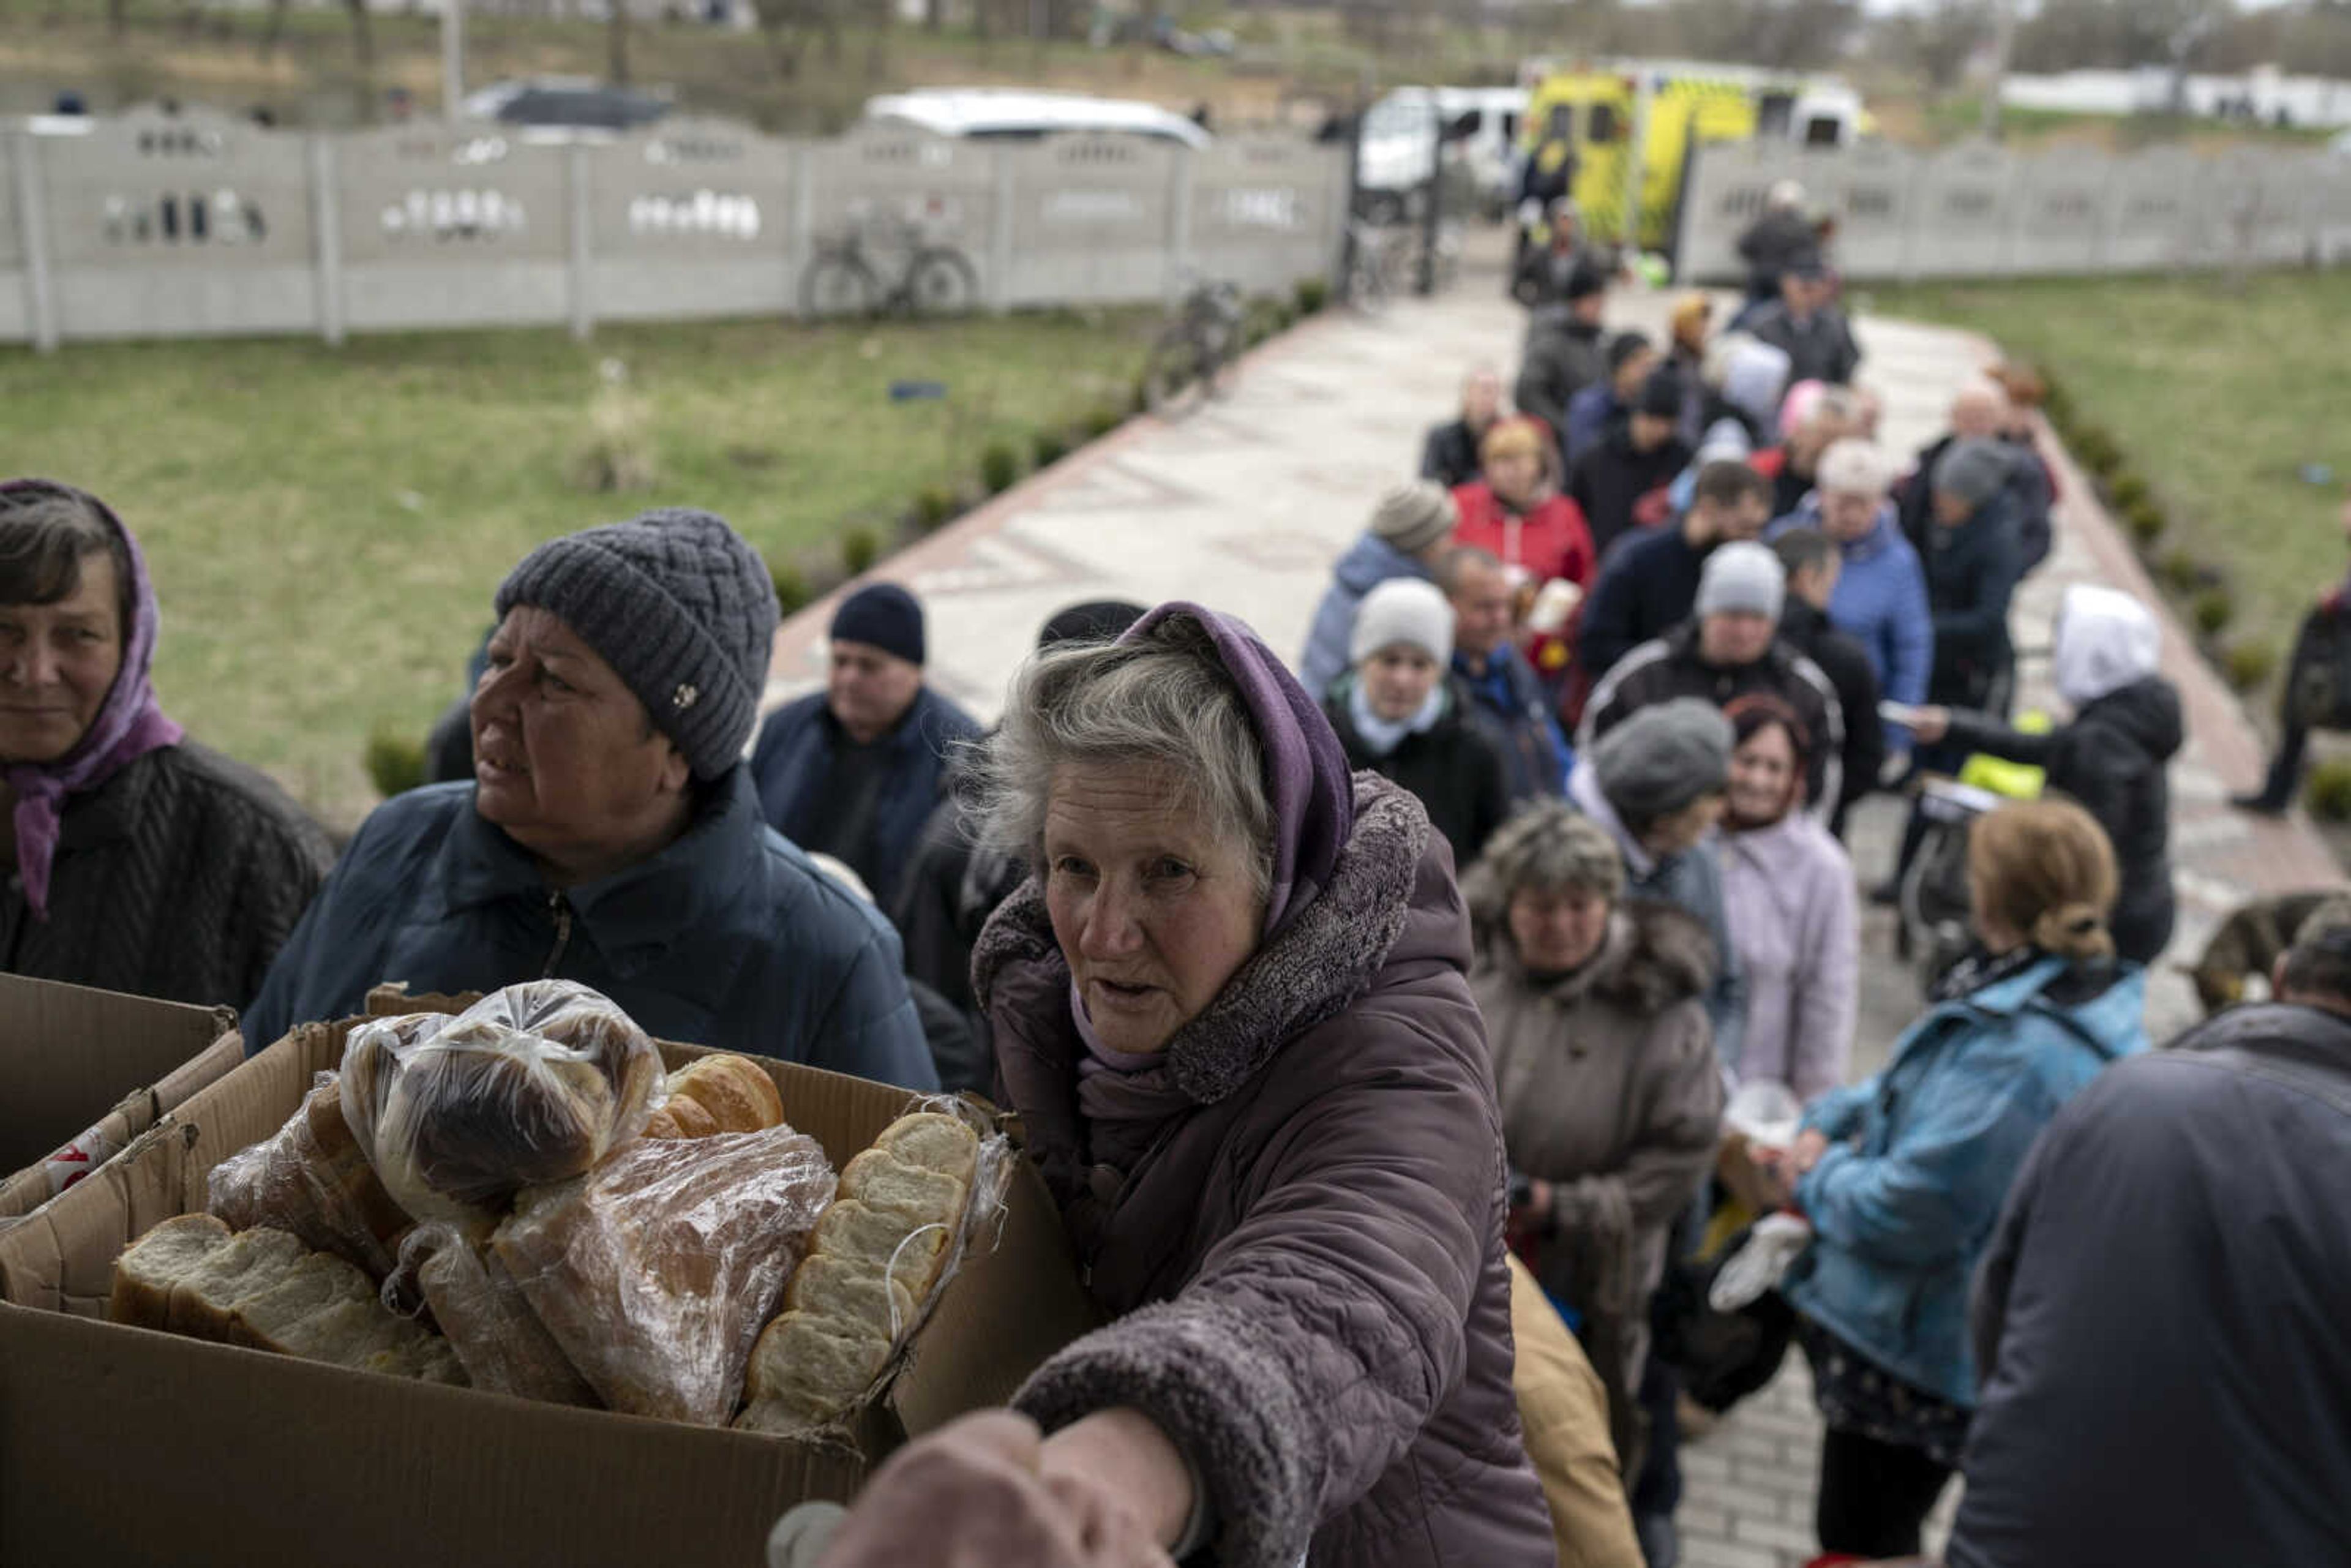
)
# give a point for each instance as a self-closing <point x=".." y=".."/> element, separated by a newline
<point x="2167" y="1281"/>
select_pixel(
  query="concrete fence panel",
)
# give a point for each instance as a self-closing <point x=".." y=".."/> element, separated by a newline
<point x="1872" y="192"/>
<point x="187" y="226"/>
<point x="1266" y="211"/>
<point x="1726" y="185"/>
<point x="2150" y="210"/>
<point x="2061" y="212"/>
<point x="1964" y="206"/>
<point x="883" y="190"/>
<point x="696" y="218"/>
<point x="1097" y="220"/>
<point x="16" y="155"/>
<point x="456" y="228"/>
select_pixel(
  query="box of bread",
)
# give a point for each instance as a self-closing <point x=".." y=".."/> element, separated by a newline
<point x="501" y="1280"/>
<point x="83" y="1072"/>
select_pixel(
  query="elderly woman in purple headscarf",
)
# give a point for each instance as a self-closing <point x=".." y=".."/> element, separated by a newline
<point x="137" y="859"/>
<point x="1231" y="1007"/>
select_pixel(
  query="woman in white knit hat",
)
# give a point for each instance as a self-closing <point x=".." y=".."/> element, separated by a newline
<point x="1399" y="713"/>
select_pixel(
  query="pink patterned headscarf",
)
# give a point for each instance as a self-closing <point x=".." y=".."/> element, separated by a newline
<point x="129" y="723"/>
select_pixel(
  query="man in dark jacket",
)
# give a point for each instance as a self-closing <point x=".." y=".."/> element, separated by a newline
<point x="2167" y="1284"/>
<point x="1972" y="564"/>
<point x="1564" y="352"/>
<point x="612" y="836"/>
<point x="1599" y="410"/>
<point x="1449" y="456"/>
<point x="1730" y="649"/>
<point x="1807" y="326"/>
<point x="1621" y="482"/>
<point x="852" y="771"/>
<point x="1776" y="240"/>
<point x="1981" y="412"/>
<point x="1489" y="667"/>
<point x="1813" y="563"/>
<point x="1648" y="586"/>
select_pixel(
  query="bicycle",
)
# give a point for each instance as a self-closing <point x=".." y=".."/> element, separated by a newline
<point x="1188" y="363"/>
<point x="842" y="280"/>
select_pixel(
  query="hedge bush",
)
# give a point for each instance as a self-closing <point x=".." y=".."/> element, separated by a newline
<point x="934" y="504"/>
<point x="2145" y="521"/>
<point x="860" y="548"/>
<point x="2179" y="569"/>
<point x="2095" y="449"/>
<point x="791" y="586"/>
<point x="1102" y="422"/>
<point x="2213" y="608"/>
<point x="2248" y="665"/>
<point x="1049" y="446"/>
<point x="999" y="466"/>
<point x="2127" y="490"/>
<point x="2328" y="791"/>
<point x="1313" y="293"/>
<point x="394" y="760"/>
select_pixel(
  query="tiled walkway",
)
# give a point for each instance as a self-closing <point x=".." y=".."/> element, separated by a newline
<point x="1246" y="506"/>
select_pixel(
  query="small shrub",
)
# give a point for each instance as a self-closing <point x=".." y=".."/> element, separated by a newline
<point x="998" y="466"/>
<point x="791" y="586"/>
<point x="2213" y="607"/>
<point x="1313" y="293"/>
<point x="1049" y="446"/>
<point x="2127" y="490"/>
<point x="2178" y="568"/>
<point x="2248" y="665"/>
<point x="2095" y="448"/>
<point x="1102" y="422"/>
<point x="2328" y="792"/>
<point x="2145" y="521"/>
<point x="860" y="548"/>
<point x="394" y="760"/>
<point x="934" y="504"/>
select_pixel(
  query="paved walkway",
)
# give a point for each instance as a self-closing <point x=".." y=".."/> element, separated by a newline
<point x="1245" y="506"/>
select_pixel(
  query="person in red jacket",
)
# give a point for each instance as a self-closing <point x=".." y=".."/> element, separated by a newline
<point x="1517" y="512"/>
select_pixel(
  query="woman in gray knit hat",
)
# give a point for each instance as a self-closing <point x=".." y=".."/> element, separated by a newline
<point x="611" y="834"/>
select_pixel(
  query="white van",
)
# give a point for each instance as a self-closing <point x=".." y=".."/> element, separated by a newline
<point x="1400" y="135"/>
<point x="1016" y="114"/>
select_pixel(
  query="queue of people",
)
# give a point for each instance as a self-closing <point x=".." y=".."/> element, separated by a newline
<point x="1376" y="1043"/>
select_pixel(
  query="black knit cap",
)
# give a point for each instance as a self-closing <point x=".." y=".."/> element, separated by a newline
<point x="1661" y="393"/>
<point x="881" y="615"/>
<point x="1585" y="280"/>
<point x="682" y="609"/>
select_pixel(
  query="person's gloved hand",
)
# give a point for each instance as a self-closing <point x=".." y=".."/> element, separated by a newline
<point x="970" y="1495"/>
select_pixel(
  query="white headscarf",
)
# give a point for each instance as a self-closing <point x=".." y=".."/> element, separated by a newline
<point x="2105" y="639"/>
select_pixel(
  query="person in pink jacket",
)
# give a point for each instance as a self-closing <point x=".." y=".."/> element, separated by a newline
<point x="1789" y="895"/>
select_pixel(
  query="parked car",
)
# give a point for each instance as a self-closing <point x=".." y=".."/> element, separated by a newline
<point x="577" y="103"/>
<point x="1394" y="159"/>
<point x="1016" y="114"/>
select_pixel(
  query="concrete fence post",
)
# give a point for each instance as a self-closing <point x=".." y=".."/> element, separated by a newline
<point x="32" y="228"/>
<point x="579" y="186"/>
<point x="800" y="244"/>
<point x="327" y="237"/>
<point x="1003" y="220"/>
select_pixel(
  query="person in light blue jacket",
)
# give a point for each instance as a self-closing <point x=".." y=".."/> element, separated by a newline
<point x="1411" y="530"/>
<point x="1880" y="598"/>
<point x="1903" y="1175"/>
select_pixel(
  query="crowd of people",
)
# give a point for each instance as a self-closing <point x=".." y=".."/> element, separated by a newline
<point x="1389" y="1028"/>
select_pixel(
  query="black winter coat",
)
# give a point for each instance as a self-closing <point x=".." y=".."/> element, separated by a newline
<point x="2028" y="492"/>
<point x="1648" y="586"/>
<point x="1449" y="456"/>
<point x="1609" y="479"/>
<point x="1671" y="667"/>
<point x="1455" y="767"/>
<point x="179" y="878"/>
<point x="2167" y="1282"/>
<point x="1846" y="665"/>
<point x="1562" y="357"/>
<point x="2111" y="758"/>
<point x="1971" y="574"/>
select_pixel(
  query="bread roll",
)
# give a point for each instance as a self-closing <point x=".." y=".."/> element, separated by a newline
<point x="880" y="1179"/>
<point x="934" y="1142"/>
<point x="850" y="1289"/>
<point x="914" y="1254"/>
<point x="265" y="1290"/>
<point x="807" y="1371"/>
<point x="723" y="1093"/>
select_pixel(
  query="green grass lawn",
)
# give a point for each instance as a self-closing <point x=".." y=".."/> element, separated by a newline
<point x="326" y="527"/>
<point x="2218" y="398"/>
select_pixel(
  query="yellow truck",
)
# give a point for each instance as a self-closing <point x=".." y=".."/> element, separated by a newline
<point x="1633" y="124"/>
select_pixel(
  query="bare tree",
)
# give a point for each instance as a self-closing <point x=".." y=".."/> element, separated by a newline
<point x="616" y="42"/>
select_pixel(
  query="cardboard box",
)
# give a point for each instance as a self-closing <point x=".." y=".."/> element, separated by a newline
<point x="88" y="1072"/>
<point x="124" y="1446"/>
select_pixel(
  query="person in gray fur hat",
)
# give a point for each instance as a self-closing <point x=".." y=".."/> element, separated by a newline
<point x="611" y="834"/>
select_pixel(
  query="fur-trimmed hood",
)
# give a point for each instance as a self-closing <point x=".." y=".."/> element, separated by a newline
<point x="1323" y="959"/>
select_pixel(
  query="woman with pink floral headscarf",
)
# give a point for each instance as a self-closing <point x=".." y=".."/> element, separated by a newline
<point x="135" y="860"/>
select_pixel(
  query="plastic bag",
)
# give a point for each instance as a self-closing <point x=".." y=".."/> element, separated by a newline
<point x="312" y="1179"/>
<point x="482" y="1312"/>
<point x="655" y="1271"/>
<point x="532" y="1085"/>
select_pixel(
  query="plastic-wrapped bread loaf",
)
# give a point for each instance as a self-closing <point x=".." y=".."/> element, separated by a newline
<point x="655" y="1271"/>
<point x="532" y="1085"/>
<point x="265" y="1288"/>
<point x="496" y="1337"/>
<point x="719" y="1093"/>
<point x="313" y="1180"/>
<point x="876" y="1255"/>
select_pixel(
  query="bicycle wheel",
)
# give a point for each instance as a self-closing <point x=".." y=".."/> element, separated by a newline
<point x="941" y="283"/>
<point x="1173" y="386"/>
<point x="838" y="285"/>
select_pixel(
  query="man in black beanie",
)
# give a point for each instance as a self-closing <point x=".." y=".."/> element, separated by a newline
<point x="853" y="771"/>
<point x="1621" y="482"/>
<point x="611" y="834"/>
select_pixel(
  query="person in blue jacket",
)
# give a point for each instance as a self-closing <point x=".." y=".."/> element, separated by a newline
<point x="1411" y="530"/>
<point x="611" y="834"/>
<point x="853" y="771"/>
<point x="1903" y="1175"/>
